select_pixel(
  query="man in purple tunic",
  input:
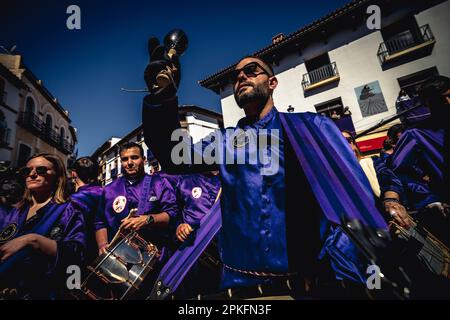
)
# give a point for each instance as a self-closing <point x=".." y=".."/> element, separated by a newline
<point x="419" y="159"/>
<point x="88" y="195"/>
<point x="196" y="195"/>
<point x="152" y="196"/>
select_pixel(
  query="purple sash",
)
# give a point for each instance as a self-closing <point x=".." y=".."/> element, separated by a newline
<point x="337" y="180"/>
<point x="184" y="258"/>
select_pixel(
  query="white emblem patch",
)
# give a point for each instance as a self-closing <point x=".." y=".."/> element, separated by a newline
<point x="196" y="192"/>
<point x="153" y="198"/>
<point x="119" y="204"/>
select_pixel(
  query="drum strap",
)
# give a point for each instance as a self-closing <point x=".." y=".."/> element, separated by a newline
<point x="144" y="194"/>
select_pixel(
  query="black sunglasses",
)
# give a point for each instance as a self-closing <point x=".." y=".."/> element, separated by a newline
<point x="349" y="139"/>
<point x="250" y="70"/>
<point x="41" y="170"/>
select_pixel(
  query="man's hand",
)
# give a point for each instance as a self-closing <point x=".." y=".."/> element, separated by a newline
<point x="183" y="231"/>
<point x="102" y="248"/>
<point x="134" y="223"/>
<point x="161" y="62"/>
<point x="441" y="208"/>
<point x="398" y="213"/>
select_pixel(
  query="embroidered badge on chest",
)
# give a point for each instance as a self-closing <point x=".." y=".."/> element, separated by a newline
<point x="119" y="204"/>
<point x="240" y="140"/>
<point x="56" y="233"/>
<point x="152" y="198"/>
<point x="8" y="232"/>
<point x="196" y="192"/>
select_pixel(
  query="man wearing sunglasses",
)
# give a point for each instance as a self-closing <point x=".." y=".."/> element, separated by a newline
<point x="274" y="225"/>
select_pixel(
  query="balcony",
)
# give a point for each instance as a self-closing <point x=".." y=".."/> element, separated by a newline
<point x="32" y="123"/>
<point x="321" y="76"/>
<point x="3" y="96"/>
<point x="405" y="43"/>
<point x="5" y="134"/>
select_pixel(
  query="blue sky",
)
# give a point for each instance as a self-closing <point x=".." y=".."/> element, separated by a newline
<point x="86" y="68"/>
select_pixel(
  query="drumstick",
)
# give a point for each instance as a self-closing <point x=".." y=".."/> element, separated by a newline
<point x="130" y="214"/>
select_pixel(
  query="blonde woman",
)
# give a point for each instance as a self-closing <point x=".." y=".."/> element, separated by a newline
<point x="43" y="235"/>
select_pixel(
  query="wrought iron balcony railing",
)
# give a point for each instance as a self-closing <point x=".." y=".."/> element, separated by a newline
<point x="320" y="76"/>
<point x="35" y="125"/>
<point x="405" y="42"/>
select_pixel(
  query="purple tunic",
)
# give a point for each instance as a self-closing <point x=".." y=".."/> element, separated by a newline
<point x="151" y="194"/>
<point x="197" y="194"/>
<point x="420" y="153"/>
<point x="88" y="198"/>
<point x="34" y="274"/>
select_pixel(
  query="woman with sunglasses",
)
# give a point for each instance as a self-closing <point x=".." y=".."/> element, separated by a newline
<point x="42" y="236"/>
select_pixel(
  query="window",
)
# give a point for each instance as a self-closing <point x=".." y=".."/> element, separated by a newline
<point x="407" y="97"/>
<point x="321" y="71"/>
<point x="317" y="62"/>
<point x="411" y="82"/>
<point x="335" y="110"/>
<point x="4" y="130"/>
<point x="402" y="34"/>
<point x="29" y="105"/>
<point x="62" y="134"/>
<point x="48" y="123"/>
<point x="2" y="91"/>
<point x="405" y="40"/>
<point x="24" y="155"/>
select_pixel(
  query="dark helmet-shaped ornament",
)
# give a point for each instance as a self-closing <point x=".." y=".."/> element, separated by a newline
<point x="176" y="39"/>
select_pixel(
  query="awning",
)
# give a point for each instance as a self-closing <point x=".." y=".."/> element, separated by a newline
<point x="371" y="142"/>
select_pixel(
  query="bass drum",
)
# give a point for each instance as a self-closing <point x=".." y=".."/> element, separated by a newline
<point x="417" y="244"/>
<point x="119" y="273"/>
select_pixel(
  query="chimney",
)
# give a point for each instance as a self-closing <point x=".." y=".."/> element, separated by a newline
<point x="278" y="38"/>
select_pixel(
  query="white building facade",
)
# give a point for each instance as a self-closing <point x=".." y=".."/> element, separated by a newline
<point x="325" y="66"/>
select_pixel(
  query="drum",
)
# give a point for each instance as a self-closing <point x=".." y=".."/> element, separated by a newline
<point x="417" y="243"/>
<point x="118" y="273"/>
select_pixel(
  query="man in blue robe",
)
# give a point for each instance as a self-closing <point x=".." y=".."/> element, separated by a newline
<point x="276" y="214"/>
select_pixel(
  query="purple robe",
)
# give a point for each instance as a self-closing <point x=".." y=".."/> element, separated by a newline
<point x="197" y="194"/>
<point x="33" y="274"/>
<point x="150" y="195"/>
<point x="88" y="198"/>
<point x="420" y="153"/>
